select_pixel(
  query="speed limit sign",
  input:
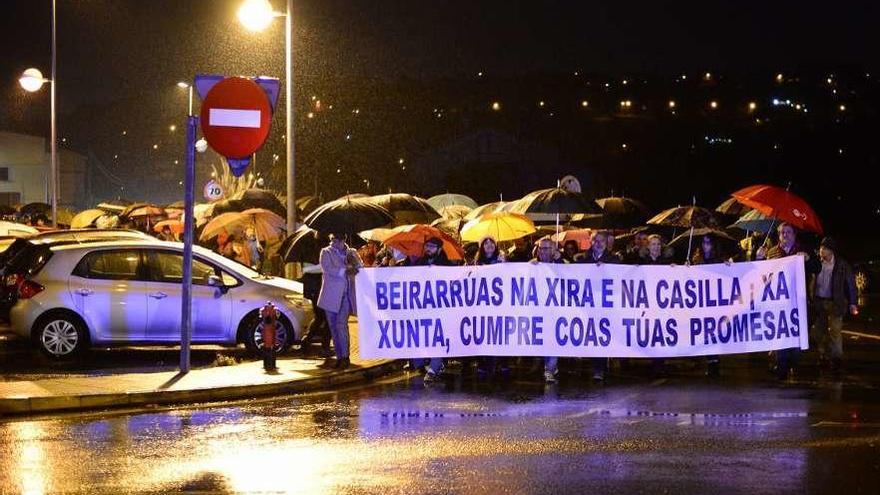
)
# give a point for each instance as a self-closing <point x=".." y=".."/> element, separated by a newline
<point x="213" y="191"/>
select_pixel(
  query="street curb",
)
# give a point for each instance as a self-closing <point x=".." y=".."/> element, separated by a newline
<point x="64" y="403"/>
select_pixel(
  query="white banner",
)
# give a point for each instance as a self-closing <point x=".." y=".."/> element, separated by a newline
<point x="524" y="309"/>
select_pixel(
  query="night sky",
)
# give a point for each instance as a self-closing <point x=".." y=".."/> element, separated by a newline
<point x="119" y="60"/>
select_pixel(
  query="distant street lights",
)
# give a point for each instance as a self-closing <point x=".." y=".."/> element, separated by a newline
<point x="32" y="80"/>
<point x="256" y="15"/>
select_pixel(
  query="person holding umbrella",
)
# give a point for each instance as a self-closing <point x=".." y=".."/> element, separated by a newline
<point x="786" y="359"/>
<point x="339" y="264"/>
<point x="706" y="254"/>
<point x="489" y="254"/>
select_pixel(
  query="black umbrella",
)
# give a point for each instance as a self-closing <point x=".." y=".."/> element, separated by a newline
<point x="304" y="245"/>
<point x="32" y="209"/>
<point x="406" y="208"/>
<point x="723" y="241"/>
<point x="686" y="217"/>
<point x="251" y="198"/>
<point x="555" y="201"/>
<point x="307" y="204"/>
<point x="348" y="216"/>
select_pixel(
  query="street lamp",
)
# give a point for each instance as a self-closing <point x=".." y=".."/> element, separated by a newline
<point x="256" y="15"/>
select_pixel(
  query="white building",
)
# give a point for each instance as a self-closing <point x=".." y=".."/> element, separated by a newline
<point x="24" y="171"/>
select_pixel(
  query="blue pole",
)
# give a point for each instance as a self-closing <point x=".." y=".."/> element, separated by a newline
<point x="192" y="124"/>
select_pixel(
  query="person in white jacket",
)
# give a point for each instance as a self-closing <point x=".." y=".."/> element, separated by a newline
<point x="339" y="264"/>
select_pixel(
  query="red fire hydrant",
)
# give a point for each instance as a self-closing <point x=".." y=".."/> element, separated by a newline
<point x="269" y="331"/>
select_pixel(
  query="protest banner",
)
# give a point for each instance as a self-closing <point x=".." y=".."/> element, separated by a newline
<point x="525" y="309"/>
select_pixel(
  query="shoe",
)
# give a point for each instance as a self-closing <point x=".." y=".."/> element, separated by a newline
<point x="714" y="370"/>
<point x="343" y="363"/>
<point x="598" y="376"/>
<point x="836" y="365"/>
<point x="549" y="377"/>
<point x="430" y="377"/>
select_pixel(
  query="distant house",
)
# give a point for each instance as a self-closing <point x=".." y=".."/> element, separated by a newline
<point x="24" y="172"/>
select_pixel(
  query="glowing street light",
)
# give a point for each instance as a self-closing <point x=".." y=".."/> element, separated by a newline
<point x="32" y="80"/>
<point x="752" y="106"/>
<point x="256" y="15"/>
<point x="496" y="106"/>
<point x="713" y="105"/>
<point x="671" y="104"/>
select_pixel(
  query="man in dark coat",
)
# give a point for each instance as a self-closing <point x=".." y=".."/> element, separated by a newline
<point x="433" y="256"/>
<point x="834" y="295"/>
<point x="598" y="254"/>
<point x="786" y="359"/>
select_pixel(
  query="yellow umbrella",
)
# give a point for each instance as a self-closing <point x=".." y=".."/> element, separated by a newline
<point x="86" y="218"/>
<point x="501" y="226"/>
<point x="266" y="224"/>
<point x="65" y="215"/>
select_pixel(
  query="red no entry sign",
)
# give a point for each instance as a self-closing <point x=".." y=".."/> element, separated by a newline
<point x="235" y="117"/>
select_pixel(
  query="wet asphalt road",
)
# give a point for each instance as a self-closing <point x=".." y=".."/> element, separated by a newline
<point x="632" y="435"/>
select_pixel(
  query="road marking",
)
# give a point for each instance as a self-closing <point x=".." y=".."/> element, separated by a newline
<point x="228" y="117"/>
<point x="865" y="335"/>
<point x="846" y="424"/>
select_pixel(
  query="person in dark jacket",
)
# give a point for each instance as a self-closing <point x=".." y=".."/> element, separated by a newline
<point x="489" y="254"/>
<point x="706" y="254"/>
<point x="598" y="254"/>
<point x="433" y="255"/>
<point x="786" y="359"/>
<point x="834" y="295"/>
<point x="655" y="256"/>
<point x="546" y="251"/>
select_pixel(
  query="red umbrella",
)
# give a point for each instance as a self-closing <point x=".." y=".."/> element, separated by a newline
<point x="781" y="204"/>
<point x="410" y="240"/>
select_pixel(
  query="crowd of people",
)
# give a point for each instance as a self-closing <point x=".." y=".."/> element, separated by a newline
<point x="831" y="286"/>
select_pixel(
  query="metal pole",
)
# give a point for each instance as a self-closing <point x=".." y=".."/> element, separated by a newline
<point x="190" y="100"/>
<point x="53" y="149"/>
<point x="288" y="95"/>
<point x="192" y="124"/>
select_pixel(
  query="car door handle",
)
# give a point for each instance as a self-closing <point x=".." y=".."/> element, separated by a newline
<point x="159" y="295"/>
<point x="85" y="292"/>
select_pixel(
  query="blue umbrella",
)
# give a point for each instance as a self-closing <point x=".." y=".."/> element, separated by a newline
<point x="755" y="221"/>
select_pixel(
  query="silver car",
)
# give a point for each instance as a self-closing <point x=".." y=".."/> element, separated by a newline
<point x="129" y="292"/>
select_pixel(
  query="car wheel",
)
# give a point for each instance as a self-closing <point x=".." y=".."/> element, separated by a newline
<point x="254" y="337"/>
<point x="60" y="336"/>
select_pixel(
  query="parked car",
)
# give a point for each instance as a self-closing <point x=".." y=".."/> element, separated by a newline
<point x="18" y="256"/>
<point x="129" y="292"/>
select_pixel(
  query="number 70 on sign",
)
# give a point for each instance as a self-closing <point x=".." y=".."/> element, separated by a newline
<point x="213" y="190"/>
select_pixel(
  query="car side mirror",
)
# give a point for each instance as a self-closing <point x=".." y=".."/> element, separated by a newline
<point x="215" y="281"/>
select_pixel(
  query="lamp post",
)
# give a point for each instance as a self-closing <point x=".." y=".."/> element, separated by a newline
<point x="256" y="15"/>
<point x="32" y="80"/>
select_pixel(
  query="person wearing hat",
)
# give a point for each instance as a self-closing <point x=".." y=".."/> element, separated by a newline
<point x="433" y="255"/>
<point x="834" y="295"/>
